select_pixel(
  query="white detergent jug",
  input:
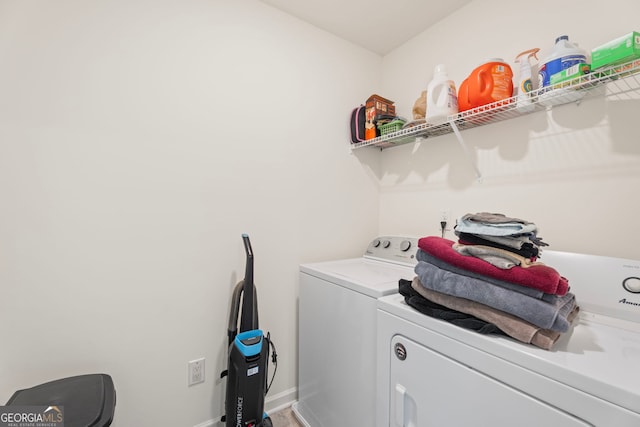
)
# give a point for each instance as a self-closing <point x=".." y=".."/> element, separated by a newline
<point x="442" y="100"/>
<point x="563" y="55"/>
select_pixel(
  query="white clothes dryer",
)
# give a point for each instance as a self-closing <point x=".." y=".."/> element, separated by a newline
<point x="337" y="331"/>
<point x="432" y="373"/>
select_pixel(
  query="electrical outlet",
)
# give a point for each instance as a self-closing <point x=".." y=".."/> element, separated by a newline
<point x="445" y="215"/>
<point x="195" y="372"/>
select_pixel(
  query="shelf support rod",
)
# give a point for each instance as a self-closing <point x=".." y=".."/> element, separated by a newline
<point x="456" y="131"/>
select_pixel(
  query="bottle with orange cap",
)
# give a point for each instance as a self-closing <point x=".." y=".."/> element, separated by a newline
<point x="524" y="103"/>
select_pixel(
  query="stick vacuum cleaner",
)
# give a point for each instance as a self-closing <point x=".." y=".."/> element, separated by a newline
<point x="248" y="356"/>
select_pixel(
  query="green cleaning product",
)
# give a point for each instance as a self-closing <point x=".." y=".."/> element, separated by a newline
<point x="617" y="51"/>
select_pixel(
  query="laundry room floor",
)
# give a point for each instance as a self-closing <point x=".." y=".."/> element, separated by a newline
<point x="284" y="418"/>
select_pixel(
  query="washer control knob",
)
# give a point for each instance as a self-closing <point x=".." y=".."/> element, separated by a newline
<point x="386" y="244"/>
<point x="632" y="284"/>
<point x="405" y="245"/>
<point x="375" y="243"/>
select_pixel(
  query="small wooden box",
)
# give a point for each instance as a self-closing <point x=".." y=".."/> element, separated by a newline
<point x="375" y="106"/>
<point x="380" y="105"/>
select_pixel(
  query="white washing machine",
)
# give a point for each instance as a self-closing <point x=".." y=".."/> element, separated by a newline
<point x="432" y="373"/>
<point x="337" y="331"/>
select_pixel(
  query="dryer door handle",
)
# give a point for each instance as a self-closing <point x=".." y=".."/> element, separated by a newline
<point x="400" y="395"/>
<point x="404" y="408"/>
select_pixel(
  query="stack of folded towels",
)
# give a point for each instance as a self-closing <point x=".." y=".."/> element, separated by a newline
<point x="491" y="281"/>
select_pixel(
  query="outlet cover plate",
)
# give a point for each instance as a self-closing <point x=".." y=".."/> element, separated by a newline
<point x="195" y="372"/>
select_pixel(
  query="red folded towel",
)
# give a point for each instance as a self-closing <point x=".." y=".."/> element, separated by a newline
<point x="541" y="277"/>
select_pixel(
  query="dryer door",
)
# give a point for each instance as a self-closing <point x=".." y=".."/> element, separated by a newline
<point x="429" y="389"/>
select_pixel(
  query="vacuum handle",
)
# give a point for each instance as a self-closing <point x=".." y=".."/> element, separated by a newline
<point x="247" y="245"/>
<point x="232" y="330"/>
<point x="248" y="273"/>
<point x="248" y="320"/>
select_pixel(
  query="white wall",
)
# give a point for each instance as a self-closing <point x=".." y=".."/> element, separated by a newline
<point x="138" y="140"/>
<point x="573" y="171"/>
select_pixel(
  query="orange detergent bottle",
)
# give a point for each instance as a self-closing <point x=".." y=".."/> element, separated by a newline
<point x="490" y="82"/>
<point x="464" y="103"/>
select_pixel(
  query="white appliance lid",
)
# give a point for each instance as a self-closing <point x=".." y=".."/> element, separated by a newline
<point x="370" y="277"/>
<point x="385" y="261"/>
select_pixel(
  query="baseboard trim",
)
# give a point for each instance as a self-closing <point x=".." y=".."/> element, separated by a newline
<point x="273" y="403"/>
<point x="298" y="415"/>
<point x="282" y="400"/>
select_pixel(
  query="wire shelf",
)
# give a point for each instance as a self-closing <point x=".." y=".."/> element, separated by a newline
<point x="617" y="82"/>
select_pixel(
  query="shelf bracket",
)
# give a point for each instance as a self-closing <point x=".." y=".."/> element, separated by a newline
<point x="456" y="131"/>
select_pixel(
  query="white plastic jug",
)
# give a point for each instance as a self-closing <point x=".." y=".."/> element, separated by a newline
<point x="442" y="100"/>
<point x="563" y="55"/>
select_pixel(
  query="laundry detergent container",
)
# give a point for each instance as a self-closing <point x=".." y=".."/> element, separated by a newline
<point x="87" y="400"/>
<point x="488" y="83"/>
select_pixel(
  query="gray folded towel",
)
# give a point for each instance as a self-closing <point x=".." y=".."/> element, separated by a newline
<point x="511" y="325"/>
<point x="540" y="313"/>
<point x="493" y="218"/>
<point x="497" y="226"/>
<point x="526" y="290"/>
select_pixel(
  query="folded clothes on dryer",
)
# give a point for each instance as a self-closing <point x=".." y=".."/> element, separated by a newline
<point x="493" y="218"/>
<point x="532" y="292"/>
<point x="495" y="229"/>
<point x="500" y="258"/>
<point x="494" y="225"/>
<point x="521" y="245"/>
<point x="439" y="311"/>
<point x="540" y="313"/>
<point x="509" y="324"/>
<point x="541" y="277"/>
